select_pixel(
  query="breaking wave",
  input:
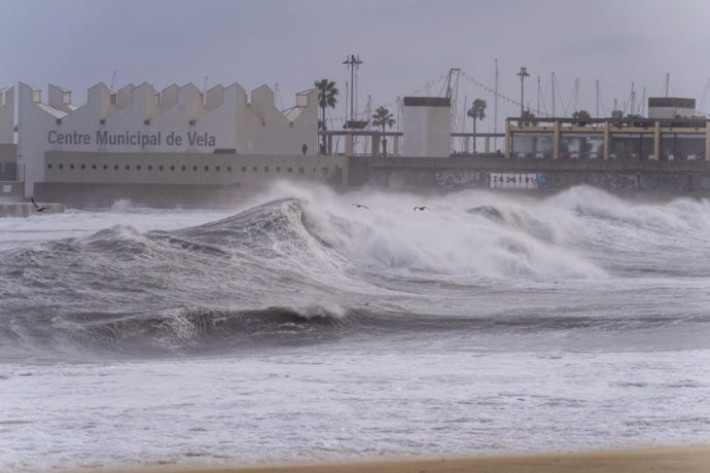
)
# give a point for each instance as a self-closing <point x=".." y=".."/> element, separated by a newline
<point x="307" y="265"/>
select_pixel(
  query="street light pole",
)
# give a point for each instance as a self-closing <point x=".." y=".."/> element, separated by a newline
<point x="523" y="74"/>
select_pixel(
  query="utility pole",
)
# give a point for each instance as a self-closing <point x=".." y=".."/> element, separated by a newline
<point x="495" y="107"/>
<point x="353" y="63"/>
<point x="552" y="80"/>
<point x="523" y="74"/>
<point x="597" y="91"/>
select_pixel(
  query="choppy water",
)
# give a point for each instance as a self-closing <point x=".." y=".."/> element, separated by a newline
<point x="300" y="327"/>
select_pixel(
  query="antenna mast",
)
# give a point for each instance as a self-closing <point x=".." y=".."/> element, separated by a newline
<point x="353" y="64"/>
<point x="495" y="108"/>
<point x="668" y="82"/>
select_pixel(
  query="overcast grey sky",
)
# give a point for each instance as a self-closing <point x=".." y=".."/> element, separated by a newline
<point x="405" y="44"/>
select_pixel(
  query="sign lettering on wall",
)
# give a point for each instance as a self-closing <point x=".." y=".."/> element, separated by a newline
<point x="137" y="138"/>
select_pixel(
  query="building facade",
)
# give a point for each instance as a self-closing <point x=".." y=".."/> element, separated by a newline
<point x="139" y="127"/>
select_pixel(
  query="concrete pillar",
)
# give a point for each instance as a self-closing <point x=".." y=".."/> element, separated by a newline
<point x="487" y="144"/>
<point x="395" y="145"/>
<point x="507" y="142"/>
<point x="330" y="145"/>
<point x="607" y="139"/>
<point x="556" y="140"/>
<point x="349" y="145"/>
<point x="657" y="140"/>
<point x="465" y="144"/>
<point x="376" y="145"/>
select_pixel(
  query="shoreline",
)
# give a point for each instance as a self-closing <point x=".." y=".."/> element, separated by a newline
<point x="691" y="459"/>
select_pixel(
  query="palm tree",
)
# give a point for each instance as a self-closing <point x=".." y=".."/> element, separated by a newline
<point x="582" y="116"/>
<point x="327" y="97"/>
<point x="383" y="118"/>
<point x="477" y="112"/>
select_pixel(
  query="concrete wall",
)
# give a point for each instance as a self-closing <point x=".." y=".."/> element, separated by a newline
<point x="138" y="119"/>
<point x="191" y="168"/>
<point x="7" y="115"/>
<point x="426" y="127"/>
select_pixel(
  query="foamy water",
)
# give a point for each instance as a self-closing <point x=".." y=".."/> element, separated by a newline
<point x="300" y="326"/>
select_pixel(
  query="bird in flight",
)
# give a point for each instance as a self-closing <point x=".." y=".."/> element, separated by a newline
<point x="420" y="207"/>
<point x="37" y="207"/>
<point x="360" y="206"/>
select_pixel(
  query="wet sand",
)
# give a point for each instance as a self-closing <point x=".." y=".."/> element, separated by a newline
<point x="685" y="460"/>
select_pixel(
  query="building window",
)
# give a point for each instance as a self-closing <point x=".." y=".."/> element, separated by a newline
<point x="256" y="169"/>
<point x="266" y="168"/>
<point x="184" y="168"/>
<point x="229" y="168"/>
<point x="160" y="168"/>
<point x="244" y="169"/>
<point x="138" y="168"/>
<point x="71" y="166"/>
<point x="278" y="168"/>
<point x="105" y="167"/>
<point x="290" y="169"/>
<point x="49" y="166"/>
<point x="194" y="168"/>
<point x="83" y="166"/>
<point x="128" y="167"/>
<point x="61" y="166"/>
<point x="93" y="167"/>
<point x="115" y="167"/>
<point x="207" y="168"/>
<point x="150" y="167"/>
<point x="301" y="170"/>
<point x="218" y="168"/>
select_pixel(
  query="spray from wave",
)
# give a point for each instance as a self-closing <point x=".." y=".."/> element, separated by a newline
<point x="301" y="265"/>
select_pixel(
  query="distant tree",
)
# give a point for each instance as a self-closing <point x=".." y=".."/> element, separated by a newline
<point x="382" y="117"/>
<point x="476" y="112"/>
<point x="528" y="118"/>
<point x="327" y="97"/>
<point x="582" y="117"/>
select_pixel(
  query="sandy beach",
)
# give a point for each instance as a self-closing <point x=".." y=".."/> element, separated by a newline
<point x="666" y="460"/>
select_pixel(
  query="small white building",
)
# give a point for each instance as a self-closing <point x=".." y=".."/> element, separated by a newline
<point x="670" y="107"/>
<point x="426" y="127"/>
<point x="180" y="120"/>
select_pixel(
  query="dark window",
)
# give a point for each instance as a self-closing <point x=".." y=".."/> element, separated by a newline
<point x="184" y="168"/>
<point x="256" y="169"/>
<point x="218" y="168"/>
<point x="93" y="166"/>
<point x="138" y="167"/>
<point x="290" y="169"/>
<point x="244" y="169"/>
<point x="278" y="168"/>
<point x="49" y="166"/>
<point x="71" y="166"/>
<point x="160" y="168"/>
<point x="128" y="167"/>
<point x="229" y="168"/>
<point x="83" y="166"/>
<point x="105" y="167"/>
<point x="61" y="166"/>
<point x="115" y="166"/>
<point x="207" y="168"/>
<point x="301" y="170"/>
<point x="150" y="167"/>
<point x="194" y="168"/>
<point x="266" y="168"/>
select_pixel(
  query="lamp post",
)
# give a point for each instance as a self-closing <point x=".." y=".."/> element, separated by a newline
<point x="523" y="74"/>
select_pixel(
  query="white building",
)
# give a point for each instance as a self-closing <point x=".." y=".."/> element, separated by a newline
<point x="670" y="107"/>
<point x="427" y="127"/>
<point x="7" y="114"/>
<point x="137" y="121"/>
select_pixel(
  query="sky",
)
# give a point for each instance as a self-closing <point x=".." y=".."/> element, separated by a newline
<point x="407" y="48"/>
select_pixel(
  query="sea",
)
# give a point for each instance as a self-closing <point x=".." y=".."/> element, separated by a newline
<point x="309" y="326"/>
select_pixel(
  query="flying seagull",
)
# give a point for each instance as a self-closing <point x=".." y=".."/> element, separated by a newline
<point x="360" y="206"/>
<point x="37" y="207"/>
<point x="421" y="207"/>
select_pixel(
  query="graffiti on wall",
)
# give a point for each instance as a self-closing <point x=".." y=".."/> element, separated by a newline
<point x="518" y="180"/>
<point x="459" y="178"/>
